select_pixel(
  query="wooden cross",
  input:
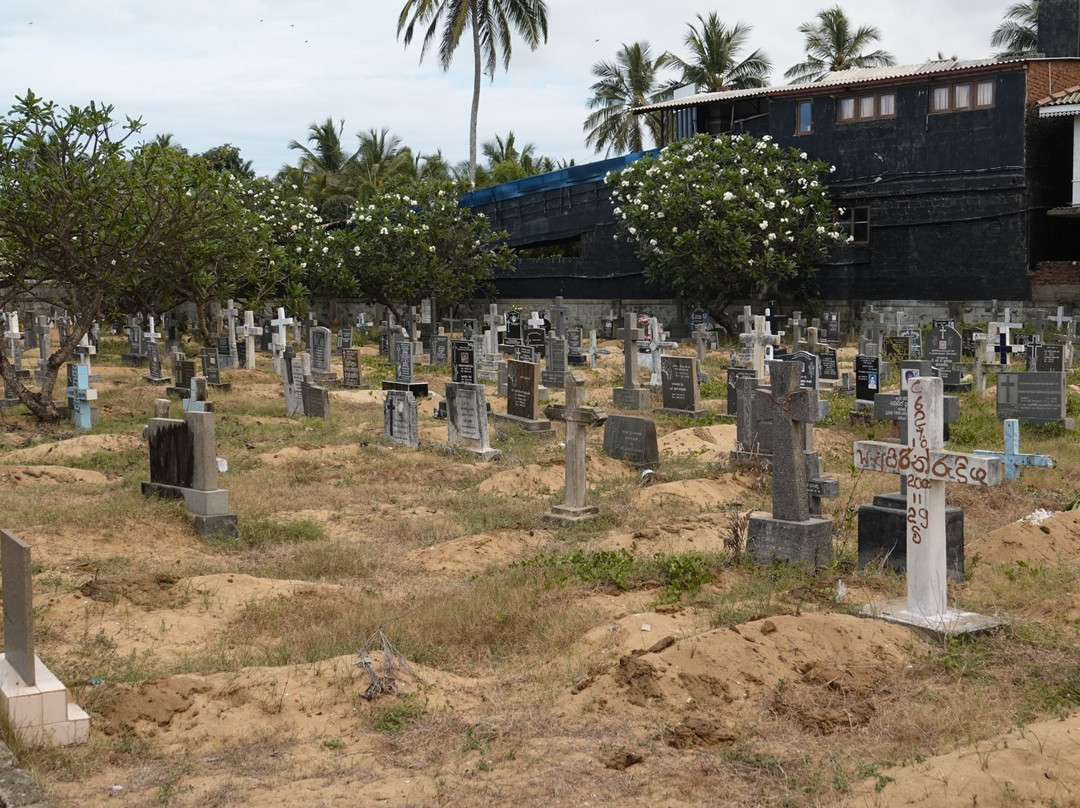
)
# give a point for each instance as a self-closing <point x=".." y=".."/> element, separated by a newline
<point x="578" y="418"/>
<point x="1011" y="457"/>
<point x="927" y="467"/>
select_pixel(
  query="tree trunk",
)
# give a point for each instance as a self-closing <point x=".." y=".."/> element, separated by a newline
<point x="477" y="72"/>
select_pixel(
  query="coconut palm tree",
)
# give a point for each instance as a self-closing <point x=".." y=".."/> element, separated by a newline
<point x="714" y="62"/>
<point x="380" y="159"/>
<point x="1018" y="33"/>
<point x="500" y="151"/>
<point x="326" y="168"/>
<point x="833" y="43"/>
<point x="491" y="23"/>
<point x="632" y="80"/>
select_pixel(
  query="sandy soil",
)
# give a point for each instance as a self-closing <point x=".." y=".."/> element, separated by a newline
<point x="637" y="714"/>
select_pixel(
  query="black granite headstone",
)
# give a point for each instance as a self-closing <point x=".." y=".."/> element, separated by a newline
<point x="631" y="437"/>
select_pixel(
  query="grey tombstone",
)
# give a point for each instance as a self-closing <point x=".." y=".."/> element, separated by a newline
<point x="536" y="338"/>
<point x="319" y="339"/>
<point x="524" y="353"/>
<point x="1033" y="397"/>
<point x="575" y="355"/>
<point x="154" y="359"/>
<point x="467" y="418"/>
<point x="316" y="400"/>
<point x="523" y="399"/>
<point x="183" y="465"/>
<point x="344" y="337"/>
<point x="400" y="419"/>
<point x="351" y="375"/>
<point x="679" y="386"/>
<point x="293" y="382"/>
<point x="631" y="437"/>
<point x="944" y="350"/>
<point x="211" y="369"/>
<point x="18" y="586"/>
<point x="631" y="396"/>
<point x="554" y="363"/>
<point x="808" y="375"/>
<point x="790" y="533"/>
<point x="578" y="418"/>
<point x="440" y="350"/>
<point x="403" y="370"/>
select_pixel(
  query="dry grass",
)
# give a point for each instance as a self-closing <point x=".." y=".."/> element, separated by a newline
<point x="344" y="514"/>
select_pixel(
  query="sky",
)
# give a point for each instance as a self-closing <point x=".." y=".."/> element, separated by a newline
<point x="258" y="73"/>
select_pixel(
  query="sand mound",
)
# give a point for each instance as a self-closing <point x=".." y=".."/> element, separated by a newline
<point x="359" y="396"/>
<point x="322" y="454"/>
<point x="468" y="555"/>
<point x="77" y="447"/>
<point x="711" y="444"/>
<point x="175" y="617"/>
<point x="1036" y="765"/>
<point x="1054" y="540"/>
<point x="544" y="479"/>
<point x="833" y="666"/>
<point x="18" y="476"/>
<point x="715" y="494"/>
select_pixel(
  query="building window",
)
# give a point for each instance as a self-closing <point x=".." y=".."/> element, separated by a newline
<point x="802" y="118"/>
<point x="962" y="96"/>
<point x="854" y="222"/>
<point x="866" y="108"/>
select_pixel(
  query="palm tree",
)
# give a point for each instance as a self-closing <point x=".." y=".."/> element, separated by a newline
<point x="1019" y="30"/>
<point x="326" y="167"/>
<point x="500" y="151"/>
<point x="491" y="22"/>
<point x="631" y="81"/>
<point x="833" y="44"/>
<point x="714" y="63"/>
<point x="381" y="158"/>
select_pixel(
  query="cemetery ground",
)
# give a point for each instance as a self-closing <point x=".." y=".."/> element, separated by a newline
<point x="636" y="659"/>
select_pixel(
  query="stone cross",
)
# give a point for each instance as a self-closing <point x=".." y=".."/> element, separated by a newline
<point x="44" y="343"/>
<point x="279" y="337"/>
<point x="1060" y="319"/>
<point x="593" y="351"/>
<point x="249" y="331"/>
<point x="1011" y="457"/>
<point x="578" y="418"/>
<point x="928" y="467"/>
<point x="812" y="339"/>
<point x="657" y="344"/>
<point x="491" y="344"/>
<point x="791" y="407"/>
<point x="875" y="328"/>
<point x="558" y="313"/>
<point x="797" y="325"/>
<point x="1005" y="326"/>
<point x="630" y="334"/>
<point x="230" y="311"/>
<point x="758" y="340"/>
<point x="1040" y="323"/>
<point x="702" y="339"/>
<point x="747" y="319"/>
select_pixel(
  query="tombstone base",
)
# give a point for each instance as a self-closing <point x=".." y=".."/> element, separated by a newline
<point x="738" y="456"/>
<point x="222" y="387"/>
<point x="135" y="360"/>
<point x="209" y="510"/>
<point x="158" y="381"/>
<point x="687" y="413"/>
<point x="809" y="542"/>
<point x="562" y="515"/>
<point x="963" y="387"/>
<point x="936" y="627"/>
<point x="324" y="379"/>
<point x="40" y="712"/>
<point x="626" y="398"/>
<point x="540" y="427"/>
<point x="8" y="403"/>
<point x="179" y="392"/>
<point x="418" y="389"/>
<point x="883" y="535"/>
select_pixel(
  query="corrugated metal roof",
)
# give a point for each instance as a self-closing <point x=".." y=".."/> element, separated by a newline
<point x="840" y="78"/>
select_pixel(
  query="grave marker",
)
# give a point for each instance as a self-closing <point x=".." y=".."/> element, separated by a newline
<point x="1033" y="397"/>
<point x="631" y="437"/>
<point x="400" y="419"/>
<point x="679" y="387"/>
<point x="928" y="467"/>
<point x="350" y="368"/>
<point x="578" y="418"/>
<point x="631" y="396"/>
<point x="1011" y="457"/>
<point x="467" y="418"/>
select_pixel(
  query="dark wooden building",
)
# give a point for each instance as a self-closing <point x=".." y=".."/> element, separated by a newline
<point x="946" y="172"/>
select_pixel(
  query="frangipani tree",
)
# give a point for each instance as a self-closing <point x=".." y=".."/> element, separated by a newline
<point x="717" y="218"/>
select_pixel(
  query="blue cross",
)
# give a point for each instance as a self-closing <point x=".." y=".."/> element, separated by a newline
<point x="1011" y="457"/>
<point x="80" y="394"/>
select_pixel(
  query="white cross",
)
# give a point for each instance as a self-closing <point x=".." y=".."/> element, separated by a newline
<point x="150" y="334"/>
<point x="248" y="331"/>
<point x="927" y="467"/>
<point x="1060" y="319"/>
<point x="279" y="323"/>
